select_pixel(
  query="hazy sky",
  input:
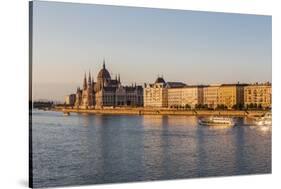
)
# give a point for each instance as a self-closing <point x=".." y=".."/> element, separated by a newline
<point x="141" y="43"/>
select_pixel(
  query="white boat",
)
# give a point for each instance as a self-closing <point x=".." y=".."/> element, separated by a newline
<point x="265" y="120"/>
<point x="217" y="121"/>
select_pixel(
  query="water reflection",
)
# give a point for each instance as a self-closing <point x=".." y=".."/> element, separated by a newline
<point x="86" y="149"/>
<point x="182" y="121"/>
<point x="153" y="120"/>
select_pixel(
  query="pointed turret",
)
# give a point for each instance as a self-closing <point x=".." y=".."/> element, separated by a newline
<point x="89" y="81"/>
<point x="93" y="83"/>
<point x="85" y="82"/>
<point x="119" y="78"/>
<point x="103" y="64"/>
<point x="89" y="78"/>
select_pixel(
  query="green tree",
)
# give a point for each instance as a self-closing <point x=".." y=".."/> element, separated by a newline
<point x="255" y="106"/>
<point x="187" y="106"/>
<point x="251" y="106"/>
<point x="240" y="106"/>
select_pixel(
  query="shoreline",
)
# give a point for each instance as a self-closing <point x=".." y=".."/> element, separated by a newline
<point x="170" y="112"/>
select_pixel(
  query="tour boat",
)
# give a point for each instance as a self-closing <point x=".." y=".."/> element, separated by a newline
<point x="217" y="121"/>
<point x="266" y="120"/>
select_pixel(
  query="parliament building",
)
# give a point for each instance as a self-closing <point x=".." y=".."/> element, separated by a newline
<point x="107" y="92"/>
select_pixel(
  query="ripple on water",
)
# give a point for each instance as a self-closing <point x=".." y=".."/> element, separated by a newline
<point x="88" y="149"/>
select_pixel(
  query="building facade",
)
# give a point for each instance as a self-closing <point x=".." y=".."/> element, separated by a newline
<point x="161" y="94"/>
<point x="231" y="95"/>
<point x="70" y="99"/>
<point x="187" y="96"/>
<point x="107" y="92"/>
<point x="156" y="94"/>
<point x="259" y="95"/>
<point x="211" y="96"/>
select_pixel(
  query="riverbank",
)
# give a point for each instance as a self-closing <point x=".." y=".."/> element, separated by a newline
<point x="146" y="111"/>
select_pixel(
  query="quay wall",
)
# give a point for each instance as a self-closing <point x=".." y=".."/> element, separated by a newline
<point x="143" y="111"/>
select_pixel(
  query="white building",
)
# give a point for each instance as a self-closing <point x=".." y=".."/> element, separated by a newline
<point x="188" y="96"/>
<point x="156" y="94"/>
<point x="70" y="99"/>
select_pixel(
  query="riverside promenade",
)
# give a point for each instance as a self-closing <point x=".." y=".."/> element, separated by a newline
<point x="153" y="111"/>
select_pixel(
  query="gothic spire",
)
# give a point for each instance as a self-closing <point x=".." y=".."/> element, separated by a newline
<point x="85" y="82"/>
<point x="89" y="80"/>
<point x="103" y="65"/>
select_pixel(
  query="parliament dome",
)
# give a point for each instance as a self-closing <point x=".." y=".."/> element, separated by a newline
<point x="104" y="74"/>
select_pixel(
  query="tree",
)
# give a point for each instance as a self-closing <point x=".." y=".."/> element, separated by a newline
<point x="221" y="107"/>
<point x="197" y="106"/>
<point x="251" y="106"/>
<point x="255" y="106"/>
<point x="187" y="106"/>
<point x="240" y="106"/>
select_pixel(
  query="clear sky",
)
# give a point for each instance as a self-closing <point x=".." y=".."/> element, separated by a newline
<point x="140" y="43"/>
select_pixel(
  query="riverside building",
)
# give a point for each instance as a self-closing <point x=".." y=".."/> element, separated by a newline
<point x="187" y="96"/>
<point x="258" y="95"/>
<point x="231" y="95"/>
<point x="156" y="94"/>
<point x="161" y="94"/>
<point x="107" y="92"/>
<point x="70" y="99"/>
<point x="211" y="96"/>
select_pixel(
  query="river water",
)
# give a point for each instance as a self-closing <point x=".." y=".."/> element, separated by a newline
<point x="85" y="149"/>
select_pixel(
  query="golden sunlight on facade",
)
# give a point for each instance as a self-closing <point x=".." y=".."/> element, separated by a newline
<point x="156" y="94"/>
<point x="188" y="96"/>
<point x="258" y="95"/>
<point x="211" y="96"/>
<point x="161" y="94"/>
<point x="176" y="95"/>
<point x="231" y="95"/>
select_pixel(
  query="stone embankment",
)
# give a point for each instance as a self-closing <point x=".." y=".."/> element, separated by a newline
<point x="147" y="111"/>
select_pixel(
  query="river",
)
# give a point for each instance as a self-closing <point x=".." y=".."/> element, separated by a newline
<point x="83" y="149"/>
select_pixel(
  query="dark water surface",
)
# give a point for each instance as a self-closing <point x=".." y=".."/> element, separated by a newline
<point x="88" y="149"/>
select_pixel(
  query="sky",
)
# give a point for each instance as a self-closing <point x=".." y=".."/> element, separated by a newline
<point x="193" y="47"/>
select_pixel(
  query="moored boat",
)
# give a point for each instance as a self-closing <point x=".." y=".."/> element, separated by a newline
<point x="217" y="121"/>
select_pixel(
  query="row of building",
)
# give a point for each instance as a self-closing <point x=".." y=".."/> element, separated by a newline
<point x="160" y="94"/>
<point x="163" y="94"/>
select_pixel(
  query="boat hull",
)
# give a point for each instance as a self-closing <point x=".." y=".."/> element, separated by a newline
<point x="213" y="122"/>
